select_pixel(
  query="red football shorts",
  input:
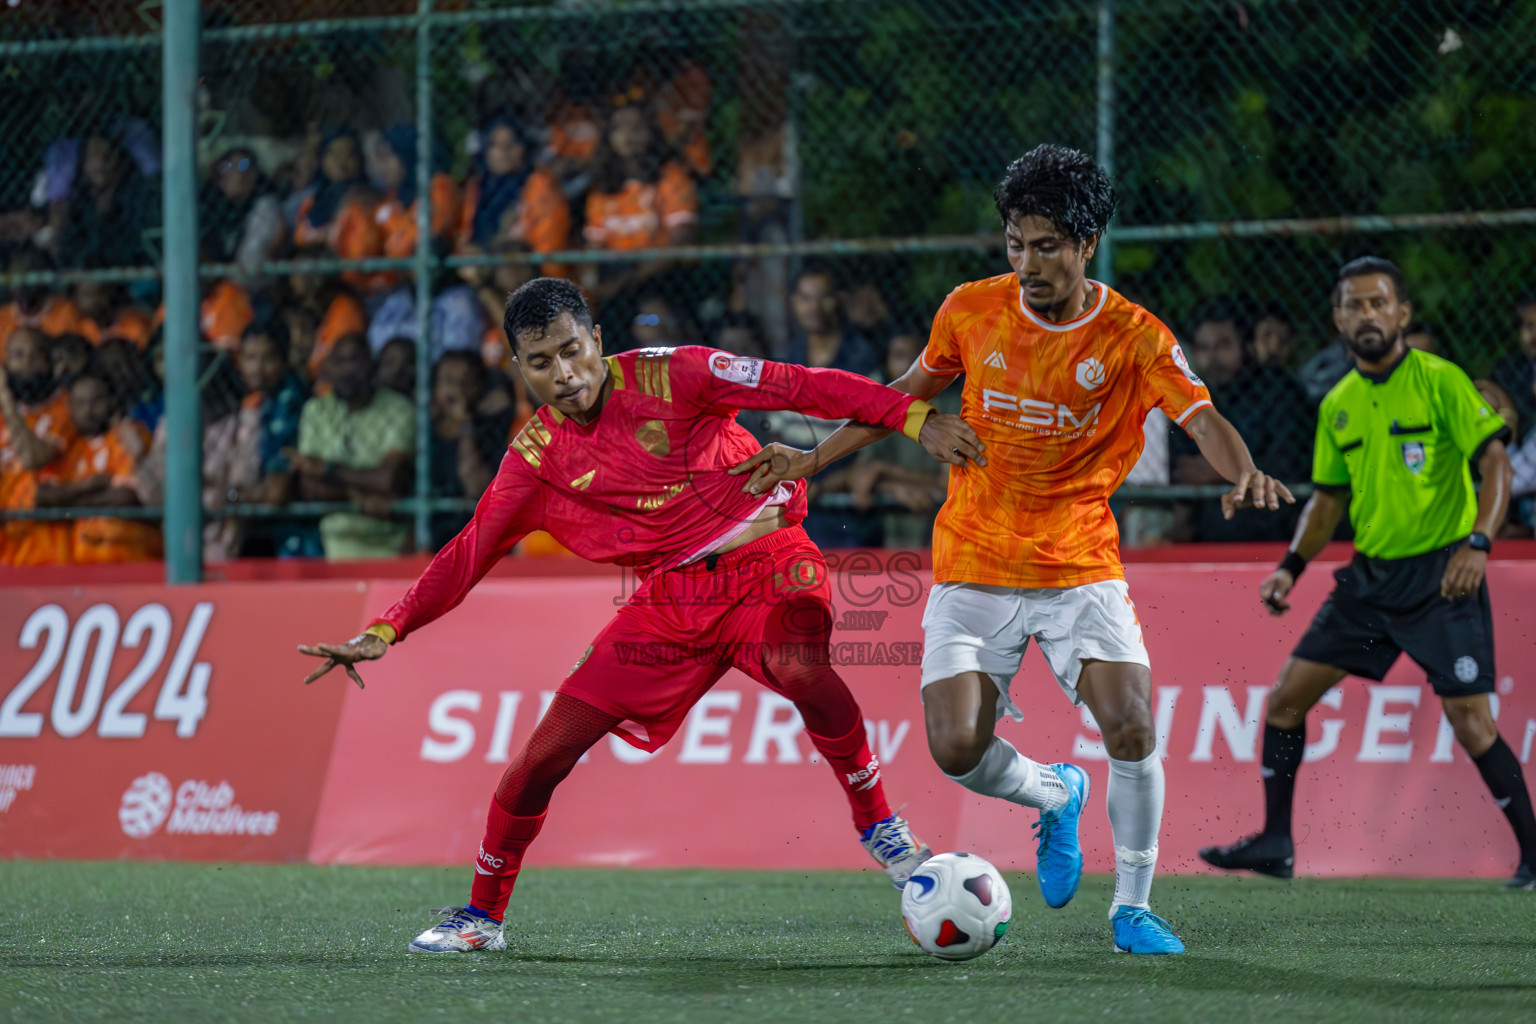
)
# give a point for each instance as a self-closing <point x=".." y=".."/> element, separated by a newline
<point x="763" y="608"/>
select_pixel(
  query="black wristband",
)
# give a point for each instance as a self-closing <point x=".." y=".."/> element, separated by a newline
<point x="1480" y="542"/>
<point x="1293" y="564"/>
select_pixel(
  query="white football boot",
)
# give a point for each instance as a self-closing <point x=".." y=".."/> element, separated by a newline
<point x="891" y="842"/>
<point x="459" y="932"/>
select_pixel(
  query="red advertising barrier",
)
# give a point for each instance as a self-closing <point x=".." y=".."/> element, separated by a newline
<point x="158" y="722"/>
<point x="401" y="772"/>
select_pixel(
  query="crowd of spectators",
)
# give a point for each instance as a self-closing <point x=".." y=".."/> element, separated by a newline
<point x="309" y="380"/>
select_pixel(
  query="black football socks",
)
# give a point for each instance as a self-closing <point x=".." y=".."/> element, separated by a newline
<point x="1501" y="771"/>
<point x="1282" y="756"/>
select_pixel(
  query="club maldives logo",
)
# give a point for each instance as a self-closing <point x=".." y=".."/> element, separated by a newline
<point x="195" y="808"/>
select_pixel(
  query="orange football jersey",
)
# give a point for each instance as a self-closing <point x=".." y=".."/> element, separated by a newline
<point x="1060" y="408"/>
<point x="103" y="538"/>
<point x="32" y="542"/>
<point x="641" y="215"/>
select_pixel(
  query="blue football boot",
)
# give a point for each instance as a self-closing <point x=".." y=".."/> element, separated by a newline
<point x="1058" y="854"/>
<point x="1138" y="930"/>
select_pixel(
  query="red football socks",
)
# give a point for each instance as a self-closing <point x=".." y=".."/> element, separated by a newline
<point x="517" y="811"/>
<point x="500" y="859"/>
<point x="859" y="772"/>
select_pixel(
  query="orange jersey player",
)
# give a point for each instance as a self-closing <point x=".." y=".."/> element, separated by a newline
<point x="630" y="460"/>
<point x="1060" y="374"/>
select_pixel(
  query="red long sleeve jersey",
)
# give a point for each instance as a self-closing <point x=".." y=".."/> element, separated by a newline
<point x="645" y="482"/>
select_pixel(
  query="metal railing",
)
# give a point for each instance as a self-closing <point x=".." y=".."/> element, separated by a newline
<point x="1161" y="250"/>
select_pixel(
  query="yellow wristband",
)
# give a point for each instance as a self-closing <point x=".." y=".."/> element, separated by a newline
<point x="384" y="631"/>
<point x="917" y="415"/>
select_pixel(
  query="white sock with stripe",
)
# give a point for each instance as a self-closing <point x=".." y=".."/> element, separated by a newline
<point x="1008" y="774"/>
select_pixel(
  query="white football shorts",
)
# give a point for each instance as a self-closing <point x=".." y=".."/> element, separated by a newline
<point x="972" y="627"/>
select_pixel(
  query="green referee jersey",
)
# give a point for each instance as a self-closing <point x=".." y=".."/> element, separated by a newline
<point x="1404" y="443"/>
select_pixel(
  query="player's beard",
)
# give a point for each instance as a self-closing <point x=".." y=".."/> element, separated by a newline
<point x="1049" y="310"/>
<point x="1370" y="344"/>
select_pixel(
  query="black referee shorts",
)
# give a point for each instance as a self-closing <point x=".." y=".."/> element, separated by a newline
<point x="1382" y="607"/>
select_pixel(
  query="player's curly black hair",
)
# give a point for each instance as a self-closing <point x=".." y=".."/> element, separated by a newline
<point x="539" y="303"/>
<point x="1062" y="185"/>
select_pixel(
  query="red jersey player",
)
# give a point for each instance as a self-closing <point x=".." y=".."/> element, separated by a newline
<point x="629" y="462"/>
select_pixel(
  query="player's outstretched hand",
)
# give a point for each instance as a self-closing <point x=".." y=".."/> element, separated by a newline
<point x="1274" y="590"/>
<point x="1255" y="489"/>
<point x="1463" y="573"/>
<point x="773" y="465"/>
<point x="364" y="647"/>
<point x="948" y="438"/>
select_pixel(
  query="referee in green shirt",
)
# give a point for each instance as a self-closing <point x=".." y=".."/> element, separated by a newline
<point x="1397" y="437"/>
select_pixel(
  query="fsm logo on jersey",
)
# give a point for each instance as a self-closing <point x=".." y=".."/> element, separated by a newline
<point x="196" y="808"/>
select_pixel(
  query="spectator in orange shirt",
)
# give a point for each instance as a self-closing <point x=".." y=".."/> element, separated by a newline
<point x="575" y="126"/>
<point x="34" y="305"/>
<point x="97" y="470"/>
<point x="508" y="200"/>
<point x="35" y="429"/>
<point x="641" y="198"/>
<point x="106" y="312"/>
<point x="225" y="314"/>
<point x="395" y="173"/>
<point x="682" y="107"/>
<point x="339" y="215"/>
<point x="33" y="401"/>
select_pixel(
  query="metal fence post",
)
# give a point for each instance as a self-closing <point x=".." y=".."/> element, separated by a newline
<point x="423" y="273"/>
<point x="183" y="457"/>
<point x="1104" y="259"/>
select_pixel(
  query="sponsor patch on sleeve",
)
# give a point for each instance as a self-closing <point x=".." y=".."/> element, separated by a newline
<point x="736" y="369"/>
<point x="1183" y="364"/>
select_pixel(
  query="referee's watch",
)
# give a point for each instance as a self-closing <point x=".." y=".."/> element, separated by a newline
<point x="1480" y="542"/>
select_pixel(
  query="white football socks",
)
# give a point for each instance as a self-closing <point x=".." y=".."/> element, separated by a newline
<point x="1135" y="803"/>
<point x="1006" y="773"/>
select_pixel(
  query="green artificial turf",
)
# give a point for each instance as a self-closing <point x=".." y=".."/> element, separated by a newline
<point x="132" y="941"/>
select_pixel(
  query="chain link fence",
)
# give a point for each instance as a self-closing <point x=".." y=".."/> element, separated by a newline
<point x="804" y="180"/>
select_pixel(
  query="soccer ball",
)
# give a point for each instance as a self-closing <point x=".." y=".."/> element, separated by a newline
<point x="956" y="906"/>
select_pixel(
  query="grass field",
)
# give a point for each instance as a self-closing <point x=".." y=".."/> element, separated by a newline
<point x="128" y="941"/>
